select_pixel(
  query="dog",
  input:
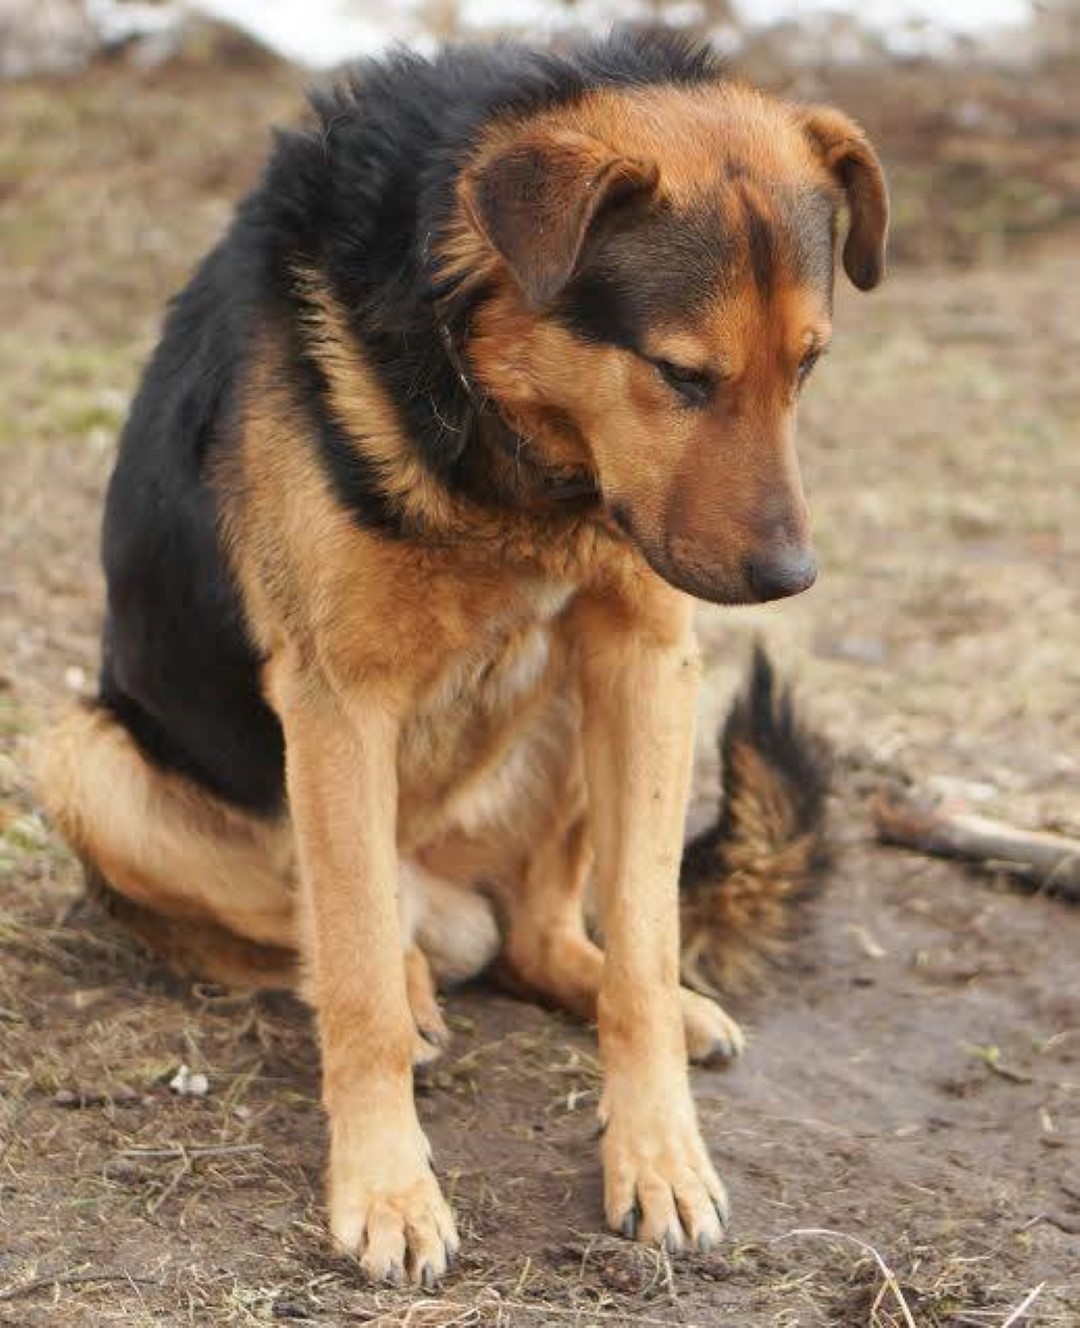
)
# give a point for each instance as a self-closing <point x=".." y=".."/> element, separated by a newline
<point x="493" y="375"/>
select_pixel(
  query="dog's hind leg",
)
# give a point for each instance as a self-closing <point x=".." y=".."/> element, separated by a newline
<point x="547" y="949"/>
<point x="197" y="878"/>
<point x="450" y="936"/>
<point x="433" y="1034"/>
<point x="549" y="952"/>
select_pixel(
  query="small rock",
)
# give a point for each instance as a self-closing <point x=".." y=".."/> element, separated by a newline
<point x="975" y="518"/>
<point x="866" y="943"/>
<point x="289" y="1309"/>
<point x="965" y="790"/>
<point x="72" y="1101"/>
<point x="75" y="679"/>
<point x="188" y="1083"/>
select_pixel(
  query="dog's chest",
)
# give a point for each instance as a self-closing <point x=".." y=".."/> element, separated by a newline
<point x="468" y="719"/>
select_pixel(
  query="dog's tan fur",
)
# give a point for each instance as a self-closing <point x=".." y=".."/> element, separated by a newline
<point x="506" y="702"/>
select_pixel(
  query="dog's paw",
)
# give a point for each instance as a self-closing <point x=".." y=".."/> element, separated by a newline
<point x="432" y="1034"/>
<point x="432" y="1039"/>
<point x="386" y="1209"/>
<point x="712" y="1036"/>
<point x="659" y="1185"/>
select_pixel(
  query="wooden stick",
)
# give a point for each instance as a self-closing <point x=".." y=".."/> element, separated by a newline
<point x="20" y="1289"/>
<point x="1050" y="862"/>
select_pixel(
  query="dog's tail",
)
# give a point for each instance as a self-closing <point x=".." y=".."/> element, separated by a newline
<point x="743" y="880"/>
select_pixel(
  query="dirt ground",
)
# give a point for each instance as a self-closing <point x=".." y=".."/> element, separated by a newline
<point x="913" y="1079"/>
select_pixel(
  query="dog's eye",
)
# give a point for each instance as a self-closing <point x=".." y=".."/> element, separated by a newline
<point x="805" y="366"/>
<point x="695" y="386"/>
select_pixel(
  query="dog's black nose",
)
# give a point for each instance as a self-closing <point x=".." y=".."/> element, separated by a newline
<point x="789" y="571"/>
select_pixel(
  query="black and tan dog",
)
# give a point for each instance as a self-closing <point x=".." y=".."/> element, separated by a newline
<point x="493" y="373"/>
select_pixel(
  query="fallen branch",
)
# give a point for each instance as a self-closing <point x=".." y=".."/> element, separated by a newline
<point x="34" y="1284"/>
<point x="1049" y="862"/>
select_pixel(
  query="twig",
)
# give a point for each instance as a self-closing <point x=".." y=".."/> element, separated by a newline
<point x="991" y="1058"/>
<point x="1050" y="862"/>
<point x="178" y="1152"/>
<point x="1024" y="1306"/>
<point x="593" y="1315"/>
<point x="187" y="1158"/>
<point x="69" y="1279"/>
<point x="184" y="1169"/>
<point x="887" y="1273"/>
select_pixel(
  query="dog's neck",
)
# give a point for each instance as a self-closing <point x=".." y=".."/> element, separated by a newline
<point x="535" y="483"/>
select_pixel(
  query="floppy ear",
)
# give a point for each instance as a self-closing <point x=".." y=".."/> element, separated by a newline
<point x="846" y="151"/>
<point x="536" y="200"/>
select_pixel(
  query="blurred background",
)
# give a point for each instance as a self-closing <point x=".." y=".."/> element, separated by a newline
<point x="914" y="1076"/>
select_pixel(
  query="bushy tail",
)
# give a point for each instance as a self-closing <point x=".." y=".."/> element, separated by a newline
<point x="744" y="879"/>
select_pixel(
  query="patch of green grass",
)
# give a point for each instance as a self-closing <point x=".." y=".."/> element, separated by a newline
<point x="62" y="392"/>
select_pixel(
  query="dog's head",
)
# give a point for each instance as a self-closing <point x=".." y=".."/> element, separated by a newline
<point x="658" y="269"/>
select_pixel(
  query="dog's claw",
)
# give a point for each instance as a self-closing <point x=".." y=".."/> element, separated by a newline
<point x="672" y="1241"/>
<point x="628" y="1226"/>
<point x="721" y="1052"/>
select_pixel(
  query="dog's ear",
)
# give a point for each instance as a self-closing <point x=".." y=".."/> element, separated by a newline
<point x="847" y="153"/>
<point x="536" y="200"/>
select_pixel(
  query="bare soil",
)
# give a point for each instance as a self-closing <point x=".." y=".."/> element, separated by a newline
<point x="913" y="1078"/>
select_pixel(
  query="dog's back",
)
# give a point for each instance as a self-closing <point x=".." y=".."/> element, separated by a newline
<point x="177" y="667"/>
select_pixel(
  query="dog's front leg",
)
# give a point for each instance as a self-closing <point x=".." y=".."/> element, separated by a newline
<point x="341" y="767"/>
<point x="639" y="686"/>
